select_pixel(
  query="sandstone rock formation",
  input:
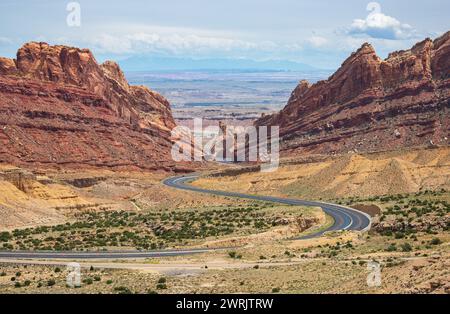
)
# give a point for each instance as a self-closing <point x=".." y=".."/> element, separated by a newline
<point x="59" y="107"/>
<point x="371" y="104"/>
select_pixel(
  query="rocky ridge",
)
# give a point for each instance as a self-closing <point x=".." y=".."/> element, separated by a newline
<point x="60" y="108"/>
<point x="371" y="104"/>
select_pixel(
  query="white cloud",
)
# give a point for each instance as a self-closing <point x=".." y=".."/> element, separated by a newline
<point x="106" y="43"/>
<point x="380" y="25"/>
<point x="5" y="41"/>
<point x="141" y="39"/>
<point x="182" y="43"/>
<point x="317" y="41"/>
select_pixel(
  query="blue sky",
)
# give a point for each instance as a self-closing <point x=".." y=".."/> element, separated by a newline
<point x="319" y="33"/>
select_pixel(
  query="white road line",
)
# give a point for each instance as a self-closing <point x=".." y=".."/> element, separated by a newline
<point x="338" y="208"/>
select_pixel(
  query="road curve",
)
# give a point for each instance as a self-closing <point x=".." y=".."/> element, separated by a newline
<point x="345" y="218"/>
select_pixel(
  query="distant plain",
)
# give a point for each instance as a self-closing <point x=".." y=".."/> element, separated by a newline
<point x="232" y="96"/>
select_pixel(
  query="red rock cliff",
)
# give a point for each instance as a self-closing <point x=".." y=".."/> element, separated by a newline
<point x="371" y="104"/>
<point x="59" y="107"/>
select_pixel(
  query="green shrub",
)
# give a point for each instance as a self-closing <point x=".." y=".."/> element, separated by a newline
<point x="5" y="236"/>
<point x="406" y="247"/>
<point x="161" y="286"/>
<point x="276" y="290"/>
<point x="391" y="248"/>
<point x="51" y="282"/>
<point x="162" y="280"/>
<point x="435" y="241"/>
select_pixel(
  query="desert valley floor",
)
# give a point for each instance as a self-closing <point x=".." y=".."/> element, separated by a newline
<point x="101" y="210"/>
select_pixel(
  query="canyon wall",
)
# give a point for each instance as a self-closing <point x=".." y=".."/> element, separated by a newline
<point x="60" y="108"/>
<point x="371" y="104"/>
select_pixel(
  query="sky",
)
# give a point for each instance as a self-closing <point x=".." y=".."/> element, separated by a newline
<point x="319" y="33"/>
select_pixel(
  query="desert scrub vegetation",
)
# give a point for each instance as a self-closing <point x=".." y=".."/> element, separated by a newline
<point x="404" y="215"/>
<point x="141" y="230"/>
<point x="395" y="198"/>
<point x="411" y="215"/>
<point x="34" y="278"/>
<point x="331" y="251"/>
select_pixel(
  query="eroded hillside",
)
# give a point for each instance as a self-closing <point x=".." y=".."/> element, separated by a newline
<point x="346" y="175"/>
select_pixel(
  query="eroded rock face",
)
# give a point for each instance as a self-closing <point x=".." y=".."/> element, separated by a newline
<point x="59" y="107"/>
<point x="7" y="66"/>
<point x="371" y="104"/>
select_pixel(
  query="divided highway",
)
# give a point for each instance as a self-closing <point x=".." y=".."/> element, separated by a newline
<point x="345" y="218"/>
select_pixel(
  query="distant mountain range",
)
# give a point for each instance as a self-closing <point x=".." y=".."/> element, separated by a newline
<point x="149" y="63"/>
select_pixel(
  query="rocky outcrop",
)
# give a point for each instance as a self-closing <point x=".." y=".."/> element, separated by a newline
<point x="371" y="104"/>
<point x="18" y="177"/>
<point x="59" y="107"/>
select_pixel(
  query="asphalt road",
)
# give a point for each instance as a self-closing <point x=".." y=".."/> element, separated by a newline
<point x="345" y="218"/>
<point x="98" y="255"/>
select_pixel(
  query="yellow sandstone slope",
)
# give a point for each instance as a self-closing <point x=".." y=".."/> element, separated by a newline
<point x="26" y="202"/>
<point x="348" y="175"/>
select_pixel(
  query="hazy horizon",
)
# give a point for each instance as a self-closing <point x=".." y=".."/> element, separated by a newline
<point x="277" y="34"/>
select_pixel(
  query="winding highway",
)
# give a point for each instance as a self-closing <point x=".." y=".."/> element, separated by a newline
<point x="344" y="219"/>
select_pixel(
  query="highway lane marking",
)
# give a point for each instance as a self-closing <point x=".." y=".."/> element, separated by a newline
<point x="353" y="210"/>
<point x="346" y="214"/>
<point x="344" y="211"/>
<point x="106" y="254"/>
